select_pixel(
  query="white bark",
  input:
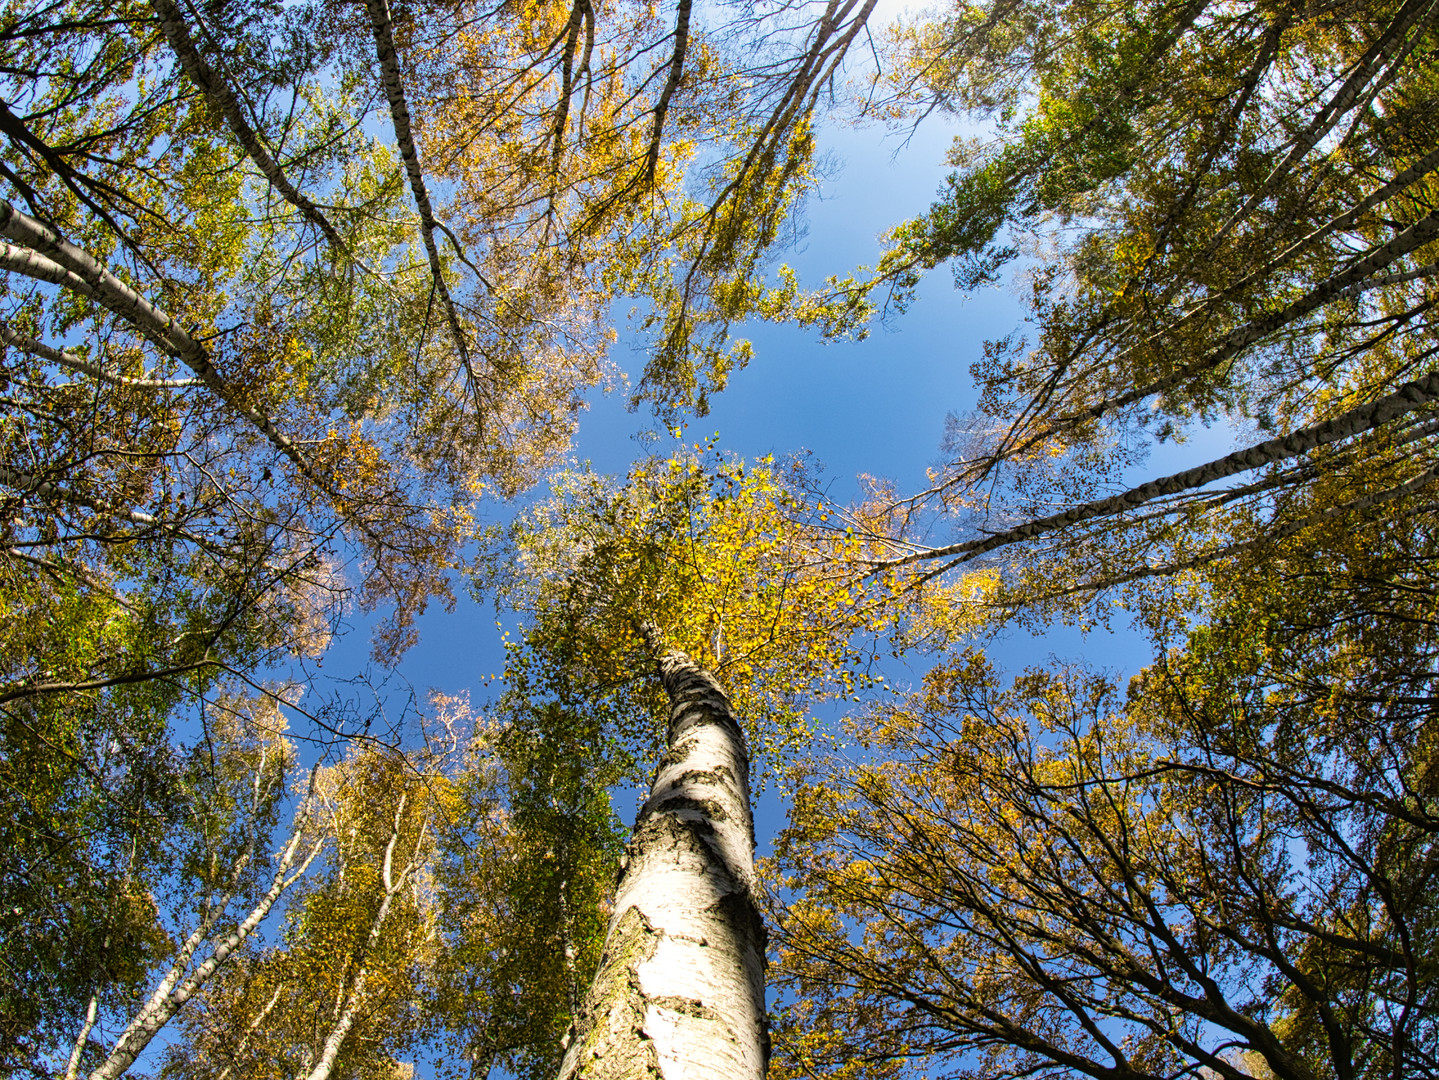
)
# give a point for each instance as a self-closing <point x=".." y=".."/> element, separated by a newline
<point x="1392" y="46"/>
<point x="380" y="24"/>
<point x="1374" y="261"/>
<point x="44" y="255"/>
<point x="169" y="997"/>
<point x="356" y="996"/>
<point x="24" y="482"/>
<point x="220" y="94"/>
<point x="72" y="1067"/>
<point x="679" y="994"/>
<point x="1412" y="486"/>
<point x="39" y="349"/>
<point x="346" y="1019"/>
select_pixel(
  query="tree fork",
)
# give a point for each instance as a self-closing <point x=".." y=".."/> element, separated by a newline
<point x="680" y="988"/>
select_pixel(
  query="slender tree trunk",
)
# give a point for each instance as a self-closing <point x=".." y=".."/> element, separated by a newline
<point x="1410" y="397"/>
<point x="330" y="1051"/>
<point x="72" y="1067"/>
<point x="253" y="1027"/>
<point x="43" y="254"/>
<point x="168" y="999"/>
<point x="346" y="1020"/>
<point x="680" y="988"/>
<point x="381" y="24"/>
<point x="223" y="98"/>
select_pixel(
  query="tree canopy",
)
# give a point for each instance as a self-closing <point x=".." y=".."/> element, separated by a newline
<point x="301" y="305"/>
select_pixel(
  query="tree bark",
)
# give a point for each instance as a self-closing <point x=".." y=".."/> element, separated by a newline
<point x="1374" y="261"/>
<point x="72" y="1067"/>
<point x="679" y="994"/>
<point x="44" y="255"/>
<point x="168" y="999"/>
<point x="380" y="23"/>
<point x="253" y="1027"/>
<point x="39" y="349"/>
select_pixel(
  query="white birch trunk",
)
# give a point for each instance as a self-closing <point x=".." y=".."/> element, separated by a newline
<point x="168" y="999"/>
<point x="223" y="98"/>
<point x="43" y="254"/>
<point x="72" y="1067"/>
<point x="346" y="1019"/>
<point x="1410" y="397"/>
<point x="679" y="994"/>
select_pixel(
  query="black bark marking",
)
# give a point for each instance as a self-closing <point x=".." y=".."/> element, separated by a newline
<point x="719" y="774"/>
<point x="711" y="810"/>
<point x="687" y="1006"/>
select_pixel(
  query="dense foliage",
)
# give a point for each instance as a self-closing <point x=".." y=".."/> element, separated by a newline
<point x="1226" y="215"/>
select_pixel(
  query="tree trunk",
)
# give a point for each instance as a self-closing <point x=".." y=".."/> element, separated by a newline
<point x="679" y="994"/>
<point x="346" y="1019"/>
<point x="168" y="999"/>
<point x="72" y="1068"/>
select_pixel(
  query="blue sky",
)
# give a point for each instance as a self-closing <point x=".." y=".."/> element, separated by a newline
<point x="877" y="406"/>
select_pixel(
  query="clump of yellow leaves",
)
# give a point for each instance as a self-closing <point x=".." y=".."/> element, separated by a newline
<point x="744" y="565"/>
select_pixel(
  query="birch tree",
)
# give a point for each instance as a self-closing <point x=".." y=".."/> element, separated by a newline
<point x="263" y="358"/>
<point x="234" y="796"/>
<point x="1229" y="213"/>
<point x="680" y="989"/>
<point x="1040" y="879"/>
<point x="1229" y="869"/>
<point x="610" y="578"/>
<point x="238" y="359"/>
<point x="339" y="992"/>
<point x="1222" y="874"/>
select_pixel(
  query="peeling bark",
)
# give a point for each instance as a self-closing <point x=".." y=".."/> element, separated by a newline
<point x="680" y="988"/>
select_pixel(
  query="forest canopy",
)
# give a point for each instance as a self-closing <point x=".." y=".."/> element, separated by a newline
<point x="302" y="305"/>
